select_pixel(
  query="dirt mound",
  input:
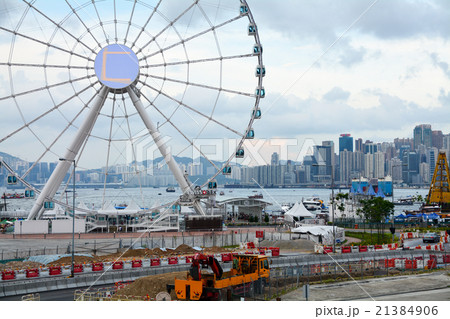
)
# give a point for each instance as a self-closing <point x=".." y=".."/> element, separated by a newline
<point x="302" y="245"/>
<point x="185" y="249"/>
<point x="151" y="285"/>
<point x="15" y="265"/>
<point x="161" y="253"/>
<point x="215" y="250"/>
<point x="68" y="260"/>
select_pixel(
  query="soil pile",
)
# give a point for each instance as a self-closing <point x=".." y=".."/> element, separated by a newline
<point x="68" y="260"/>
<point x="300" y="245"/>
<point x="185" y="249"/>
<point x="151" y="285"/>
<point x="16" y="265"/>
<point x="215" y="250"/>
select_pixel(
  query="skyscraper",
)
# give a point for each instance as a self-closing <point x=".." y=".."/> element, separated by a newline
<point x="359" y="145"/>
<point x="275" y="159"/>
<point x="422" y="135"/>
<point x="345" y="143"/>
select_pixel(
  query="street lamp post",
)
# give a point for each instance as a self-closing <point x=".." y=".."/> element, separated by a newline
<point x="332" y="204"/>
<point x="72" y="268"/>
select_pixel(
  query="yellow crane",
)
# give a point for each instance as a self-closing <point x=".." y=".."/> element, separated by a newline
<point x="439" y="189"/>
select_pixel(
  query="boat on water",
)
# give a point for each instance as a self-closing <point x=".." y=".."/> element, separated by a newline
<point x="313" y="204"/>
<point x="13" y="196"/>
<point x="221" y="193"/>
<point x="256" y="196"/>
<point x="170" y="190"/>
<point x="404" y="201"/>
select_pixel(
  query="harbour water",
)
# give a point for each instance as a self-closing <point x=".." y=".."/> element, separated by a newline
<point x="152" y="197"/>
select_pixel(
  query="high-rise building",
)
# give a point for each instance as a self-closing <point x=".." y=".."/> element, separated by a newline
<point x="422" y="135"/>
<point x="357" y="163"/>
<point x="368" y="165"/>
<point x="345" y="143"/>
<point x="432" y="155"/>
<point x="359" y="145"/>
<point x="275" y="159"/>
<point x="437" y="139"/>
<point x="345" y="166"/>
<point x="378" y="165"/>
<point x="370" y="147"/>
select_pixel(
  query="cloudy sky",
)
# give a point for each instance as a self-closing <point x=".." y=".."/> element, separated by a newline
<point x="374" y="69"/>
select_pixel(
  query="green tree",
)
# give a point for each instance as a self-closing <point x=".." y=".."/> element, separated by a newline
<point x="266" y="218"/>
<point x="376" y="210"/>
<point x="341" y="196"/>
<point x="251" y="219"/>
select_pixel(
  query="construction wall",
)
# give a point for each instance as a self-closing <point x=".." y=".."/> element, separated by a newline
<point x="30" y="227"/>
<point x="64" y="226"/>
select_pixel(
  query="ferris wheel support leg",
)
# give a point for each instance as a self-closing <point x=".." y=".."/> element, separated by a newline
<point x="63" y="167"/>
<point x="170" y="161"/>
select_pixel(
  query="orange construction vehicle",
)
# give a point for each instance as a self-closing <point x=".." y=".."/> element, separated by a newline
<point x="249" y="272"/>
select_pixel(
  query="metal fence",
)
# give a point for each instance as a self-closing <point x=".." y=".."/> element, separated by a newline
<point x="297" y="272"/>
<point x="114" y="245"/>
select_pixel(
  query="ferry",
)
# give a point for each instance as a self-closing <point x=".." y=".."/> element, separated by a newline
<point x="170" y="190"/>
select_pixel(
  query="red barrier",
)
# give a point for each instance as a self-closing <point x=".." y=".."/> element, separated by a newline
<point x="346" y="249"/>
<point x="78" y="268"/>
<point x="32" y="273"/>
<point x="377" y="247"/>
<point x="8" y="274"/>
<point x="97" y="266"/>
<point x="410" y="235"/>
<point x="263" y="248"/>
<point x="410" y="264"/>
<point x="117" y="265"/>
<point x="363" y="249"/>
<point x="189" y="259"/>
<point x="54" y="270"/>
<point x="389" y="263"/>
<point x="446" y="259"/>
<point x="136" y="264"/>
<point x="261" y="251"/>
<point x="173" y="260"/>
<point x="227" y="257"/>
<point x="155" y="262"/>
<point x="251" y="245"/>
<point x="432" y="263"/>
<point x="275" y="251"/>
<point x="327" y="249"/>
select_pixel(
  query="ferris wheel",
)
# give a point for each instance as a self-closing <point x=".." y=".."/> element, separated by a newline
<point x="107" y="83"/>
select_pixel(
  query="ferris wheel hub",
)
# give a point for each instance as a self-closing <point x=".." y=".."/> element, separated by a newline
<point x="116" y="66"/>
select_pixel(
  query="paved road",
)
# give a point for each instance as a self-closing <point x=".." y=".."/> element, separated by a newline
<point x="431" y="286"/>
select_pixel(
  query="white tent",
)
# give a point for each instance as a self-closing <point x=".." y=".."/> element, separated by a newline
<point x="325" y="231"/>
<point x="298" y="210"/>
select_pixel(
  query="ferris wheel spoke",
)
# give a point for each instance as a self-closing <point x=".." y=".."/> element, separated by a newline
<point x="108" y="153"/>
<point x="210" y="118"/>
<point x="167" y="27"/>
<point x="130" y="20"/>
<point x="48" y="149"/>
<point x="155" y="9"/>
<point x="231" y="57"/>
<point x="46" y="44"/>
<point x="56" y="66"/>
<point x="58" y="25"/>
<point x="199" y="85"/>
<point x="168" y="120"/>
<point x="100" y="22"/>
<point x="46" y="87"/>
<point x="47" y="112"/>
<point x="183" y="41"/>
<point x="88" y="30"/>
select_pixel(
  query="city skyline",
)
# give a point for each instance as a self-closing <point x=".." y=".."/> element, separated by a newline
<point x="375" y="70"/>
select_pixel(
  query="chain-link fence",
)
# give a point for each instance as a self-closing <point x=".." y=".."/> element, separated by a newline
<point x="299" y="271"/>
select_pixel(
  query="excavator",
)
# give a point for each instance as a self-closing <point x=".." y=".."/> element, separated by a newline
<point x="248" y="272"/>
